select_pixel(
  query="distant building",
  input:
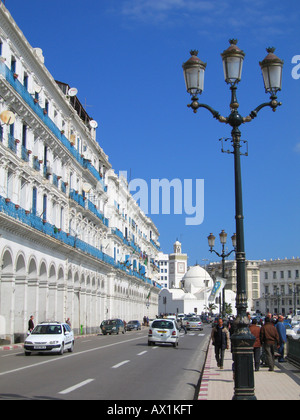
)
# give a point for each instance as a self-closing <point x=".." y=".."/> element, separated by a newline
<point x="280" y="286"/>
<point x="177" y="266"/>
<point x="252" y="278"/>
<point x="163" y="264"/>
<point x="193" y="296"/>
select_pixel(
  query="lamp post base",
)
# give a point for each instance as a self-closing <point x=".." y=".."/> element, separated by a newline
<point x="242" y="350"/>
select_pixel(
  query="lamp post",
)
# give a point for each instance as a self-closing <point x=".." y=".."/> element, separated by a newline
<point x="223" y="239"/>
<point x="271" y="66"/>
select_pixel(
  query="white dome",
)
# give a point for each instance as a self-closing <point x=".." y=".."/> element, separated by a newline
<point x="196" y="277"/>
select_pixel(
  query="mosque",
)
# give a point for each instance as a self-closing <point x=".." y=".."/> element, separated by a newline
<point x="192" y="289"/>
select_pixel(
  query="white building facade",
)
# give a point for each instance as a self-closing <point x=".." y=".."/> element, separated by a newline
<point x="73" y="242"/>
<point x="192" y="297"/>
<point x="280" y="286"/>
<point x="163" y="262"/>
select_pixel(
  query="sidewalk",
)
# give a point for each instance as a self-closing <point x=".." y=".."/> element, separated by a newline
<point x="217" y="384"/>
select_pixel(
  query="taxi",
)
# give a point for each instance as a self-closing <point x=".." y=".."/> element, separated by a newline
<point x="50" y="337"/>
<point x="163" y="331"/>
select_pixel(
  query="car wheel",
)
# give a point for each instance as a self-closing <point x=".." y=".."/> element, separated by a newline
<point x="27" y="353"/>
<point x="62" y="349"/>
<point x="150" y="343"/>
<point x="71" y="349"/>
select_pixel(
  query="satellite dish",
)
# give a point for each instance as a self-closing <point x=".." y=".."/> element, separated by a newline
<point x="93" y="124"/>
<point x="86" y="187"/>
<point x="7" y="117"/>
<point x="72" y="92"/>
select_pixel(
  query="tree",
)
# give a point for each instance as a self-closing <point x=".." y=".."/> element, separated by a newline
<point x="210" y="308"/>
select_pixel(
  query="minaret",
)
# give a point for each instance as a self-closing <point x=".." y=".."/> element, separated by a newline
<point x="177" y="266"/>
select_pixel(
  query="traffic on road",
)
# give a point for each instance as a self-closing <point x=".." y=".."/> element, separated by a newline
<point x="104" y="366"/>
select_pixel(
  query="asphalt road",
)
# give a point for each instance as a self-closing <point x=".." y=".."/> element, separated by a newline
<point x="119" y="367"/>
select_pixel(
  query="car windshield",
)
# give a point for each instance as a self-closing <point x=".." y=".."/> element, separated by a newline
<point x="110" y="322"/>
<point x="194" y="320"/>
<point x="133" y="322"/>
<point x="47" y="329"/>
<point x="163" y="324"/>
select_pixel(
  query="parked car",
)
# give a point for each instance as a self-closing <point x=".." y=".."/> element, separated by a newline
<point x="194" y="324"/>
<point x="112" y="326"/>
<point x="163" y="331"/>
<point x="133" y="325"/>
<point x="53" y="337"/>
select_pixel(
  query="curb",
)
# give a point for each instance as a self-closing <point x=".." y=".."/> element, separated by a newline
<point x="205" y="377"/>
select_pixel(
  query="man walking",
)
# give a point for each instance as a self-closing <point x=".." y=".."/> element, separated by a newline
<point x="220" y="339"/>
<point x="282" y="337"/>
<point x="255" y="330"/>
<point x="269" y="338"/>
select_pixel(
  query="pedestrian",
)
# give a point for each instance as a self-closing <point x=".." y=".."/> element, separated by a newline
<point x="269" y="338"/>
<point x="182" y="326"/>
<point x="30" y="324"/>
<point x="282" y="337"/>
<point x="255" y="330"/>
<point x="68" y="322"/>
<point x="220" y="340"/>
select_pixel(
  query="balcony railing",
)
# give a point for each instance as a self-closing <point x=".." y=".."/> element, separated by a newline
<point x="25" y="95"/>
<point x="29" y="219"/>
<point x="12" y="143"/>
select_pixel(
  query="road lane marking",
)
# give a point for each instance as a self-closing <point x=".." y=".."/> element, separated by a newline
<point x="12" y="354"/>
<point x="73" y="388"/>
<point x="120" y="364"/>
<point x="60" y="358"/>
<point x="143" y="352"/>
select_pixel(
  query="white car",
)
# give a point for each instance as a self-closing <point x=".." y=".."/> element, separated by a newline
<point x="163" y="331"/>
<point x="52" y="337"/>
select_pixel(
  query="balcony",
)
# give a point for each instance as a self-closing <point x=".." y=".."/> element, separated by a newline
<point x="74" y="195"/>
<point x="35" y="222"/>
<point x="25" y="95"/>
<point x="12" y="143"/>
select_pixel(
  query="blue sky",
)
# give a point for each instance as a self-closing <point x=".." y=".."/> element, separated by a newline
<point x="125" y="58"/>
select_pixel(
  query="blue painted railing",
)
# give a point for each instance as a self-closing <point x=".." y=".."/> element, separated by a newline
<point x="39" y="111"/>
<point x="29" y="219"/>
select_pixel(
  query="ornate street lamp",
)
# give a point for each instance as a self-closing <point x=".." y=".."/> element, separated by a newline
<point x="271" y="67"/>
<point x="233" y="59"/>
<point x="211" y="243"/>
<point x="194" y="74"/>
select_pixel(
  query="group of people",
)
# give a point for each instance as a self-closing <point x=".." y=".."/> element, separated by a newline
<point x="146" y="321"/>
<point x="269" y="339"/>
